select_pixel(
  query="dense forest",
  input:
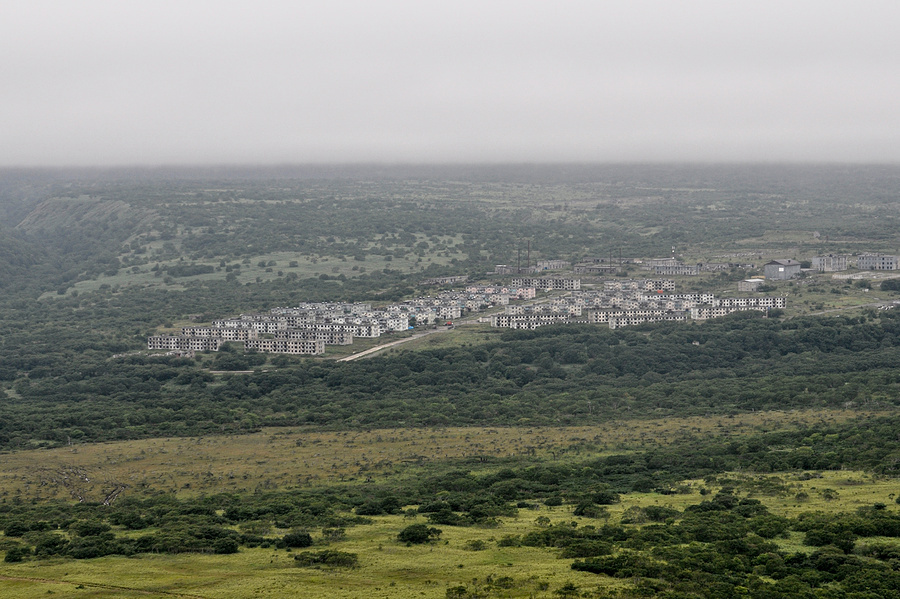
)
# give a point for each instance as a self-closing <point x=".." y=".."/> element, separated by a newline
<point x="551" y="376"/>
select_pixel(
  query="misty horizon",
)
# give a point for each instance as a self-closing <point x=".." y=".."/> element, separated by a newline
<point x="399" y="83"/>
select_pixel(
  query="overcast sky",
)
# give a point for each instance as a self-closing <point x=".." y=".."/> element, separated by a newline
<point x="211" y="81"/>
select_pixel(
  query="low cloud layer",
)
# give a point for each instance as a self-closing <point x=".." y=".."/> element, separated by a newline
<point x="107" y="83"/>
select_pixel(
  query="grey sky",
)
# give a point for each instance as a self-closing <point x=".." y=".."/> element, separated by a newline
<point x="162" y="82"/>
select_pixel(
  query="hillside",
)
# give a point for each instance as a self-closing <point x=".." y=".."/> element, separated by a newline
<point x="749" y="455"/>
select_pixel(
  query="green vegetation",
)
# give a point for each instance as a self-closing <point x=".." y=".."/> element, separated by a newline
<point x="328" y="557"/>
<point x="673" y="525"/>
<point x="416" y="534"/>
<point x="744" y="456"/>
<point x="554" y="375"/>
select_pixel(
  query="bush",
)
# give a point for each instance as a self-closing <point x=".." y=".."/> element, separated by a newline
<point x="448" y="518"/>
<point x="16" y="529"/>
<point x="586" y="548"/>
<point x="225" y="546"/>
<point x="589" y="510"/>
<point x="606" y="498"/>
<point x="16" y="554"/>
<point x="417" y="534"/>
<point x="48" y="543"/>
<point x="334" y="559"/>
<point x="89" y="528"/>
<point x="297" y="539"/>
<point x="657" y="513"/>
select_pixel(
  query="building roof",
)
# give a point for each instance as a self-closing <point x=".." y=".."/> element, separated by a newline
<point x="784" y="262"/>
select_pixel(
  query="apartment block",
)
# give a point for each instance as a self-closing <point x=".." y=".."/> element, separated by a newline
<point x="286" y="346"/>
<point x="878" y="262"/>
<point x="831" y="262"/>
<point x="179" y="342"/>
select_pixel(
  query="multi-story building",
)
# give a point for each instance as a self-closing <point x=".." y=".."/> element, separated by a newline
<point x="639" y="284"/>
<point x="677" y="270"/>
<point x="446" y="280"/>
<point x="652" y="263"/>
<point x="224" y="333"/>
<point x="528" y="321"/>
<point x="287" y="346"/>
<point x="760" y="302"/>
<point x="595" y="269"/>
<point x="831" y="262"/>
<point x="363" y="329"/>
<point x="878" y="262"/>
<point x="552" y="264"/>
<point x="694" y="298"/>
<point x="179" y="342"/>
<point x="634" y="319"/>
<point x="329" y="337"/>
<point x="553" y="283"/>
<point x="522" y="293"/>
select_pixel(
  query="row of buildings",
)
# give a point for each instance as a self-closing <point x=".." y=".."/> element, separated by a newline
<point x="779" y="270"/>
<point x="626" y="303"/>
<point x="308" y="327"/>
<point x="608" y="267"/>
<point x="671" y="266"/>
<point x="838" y="262"/>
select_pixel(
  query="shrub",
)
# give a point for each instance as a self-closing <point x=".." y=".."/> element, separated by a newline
<point x="586" y="548"/>
<point x="329" y="557"/>
<point x="89" y="528"/>
<point x="16" y="529"/>
<point x="606" y="498"/>
<point x="589" y="510"/>
<point x="16" y="554"/>
<point x="416" y="534"/>
<point x="297" y="539"/>
<point x="225" y="546"/>
<point x="49" y="543"/>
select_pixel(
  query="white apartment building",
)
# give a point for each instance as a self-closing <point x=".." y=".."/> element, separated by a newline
<point x="287" y="346"/>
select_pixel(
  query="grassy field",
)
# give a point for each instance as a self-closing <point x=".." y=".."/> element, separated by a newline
<point x="388" y="568"/>
<point x="295" y="457"/>
<point x="470" y="556"/>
